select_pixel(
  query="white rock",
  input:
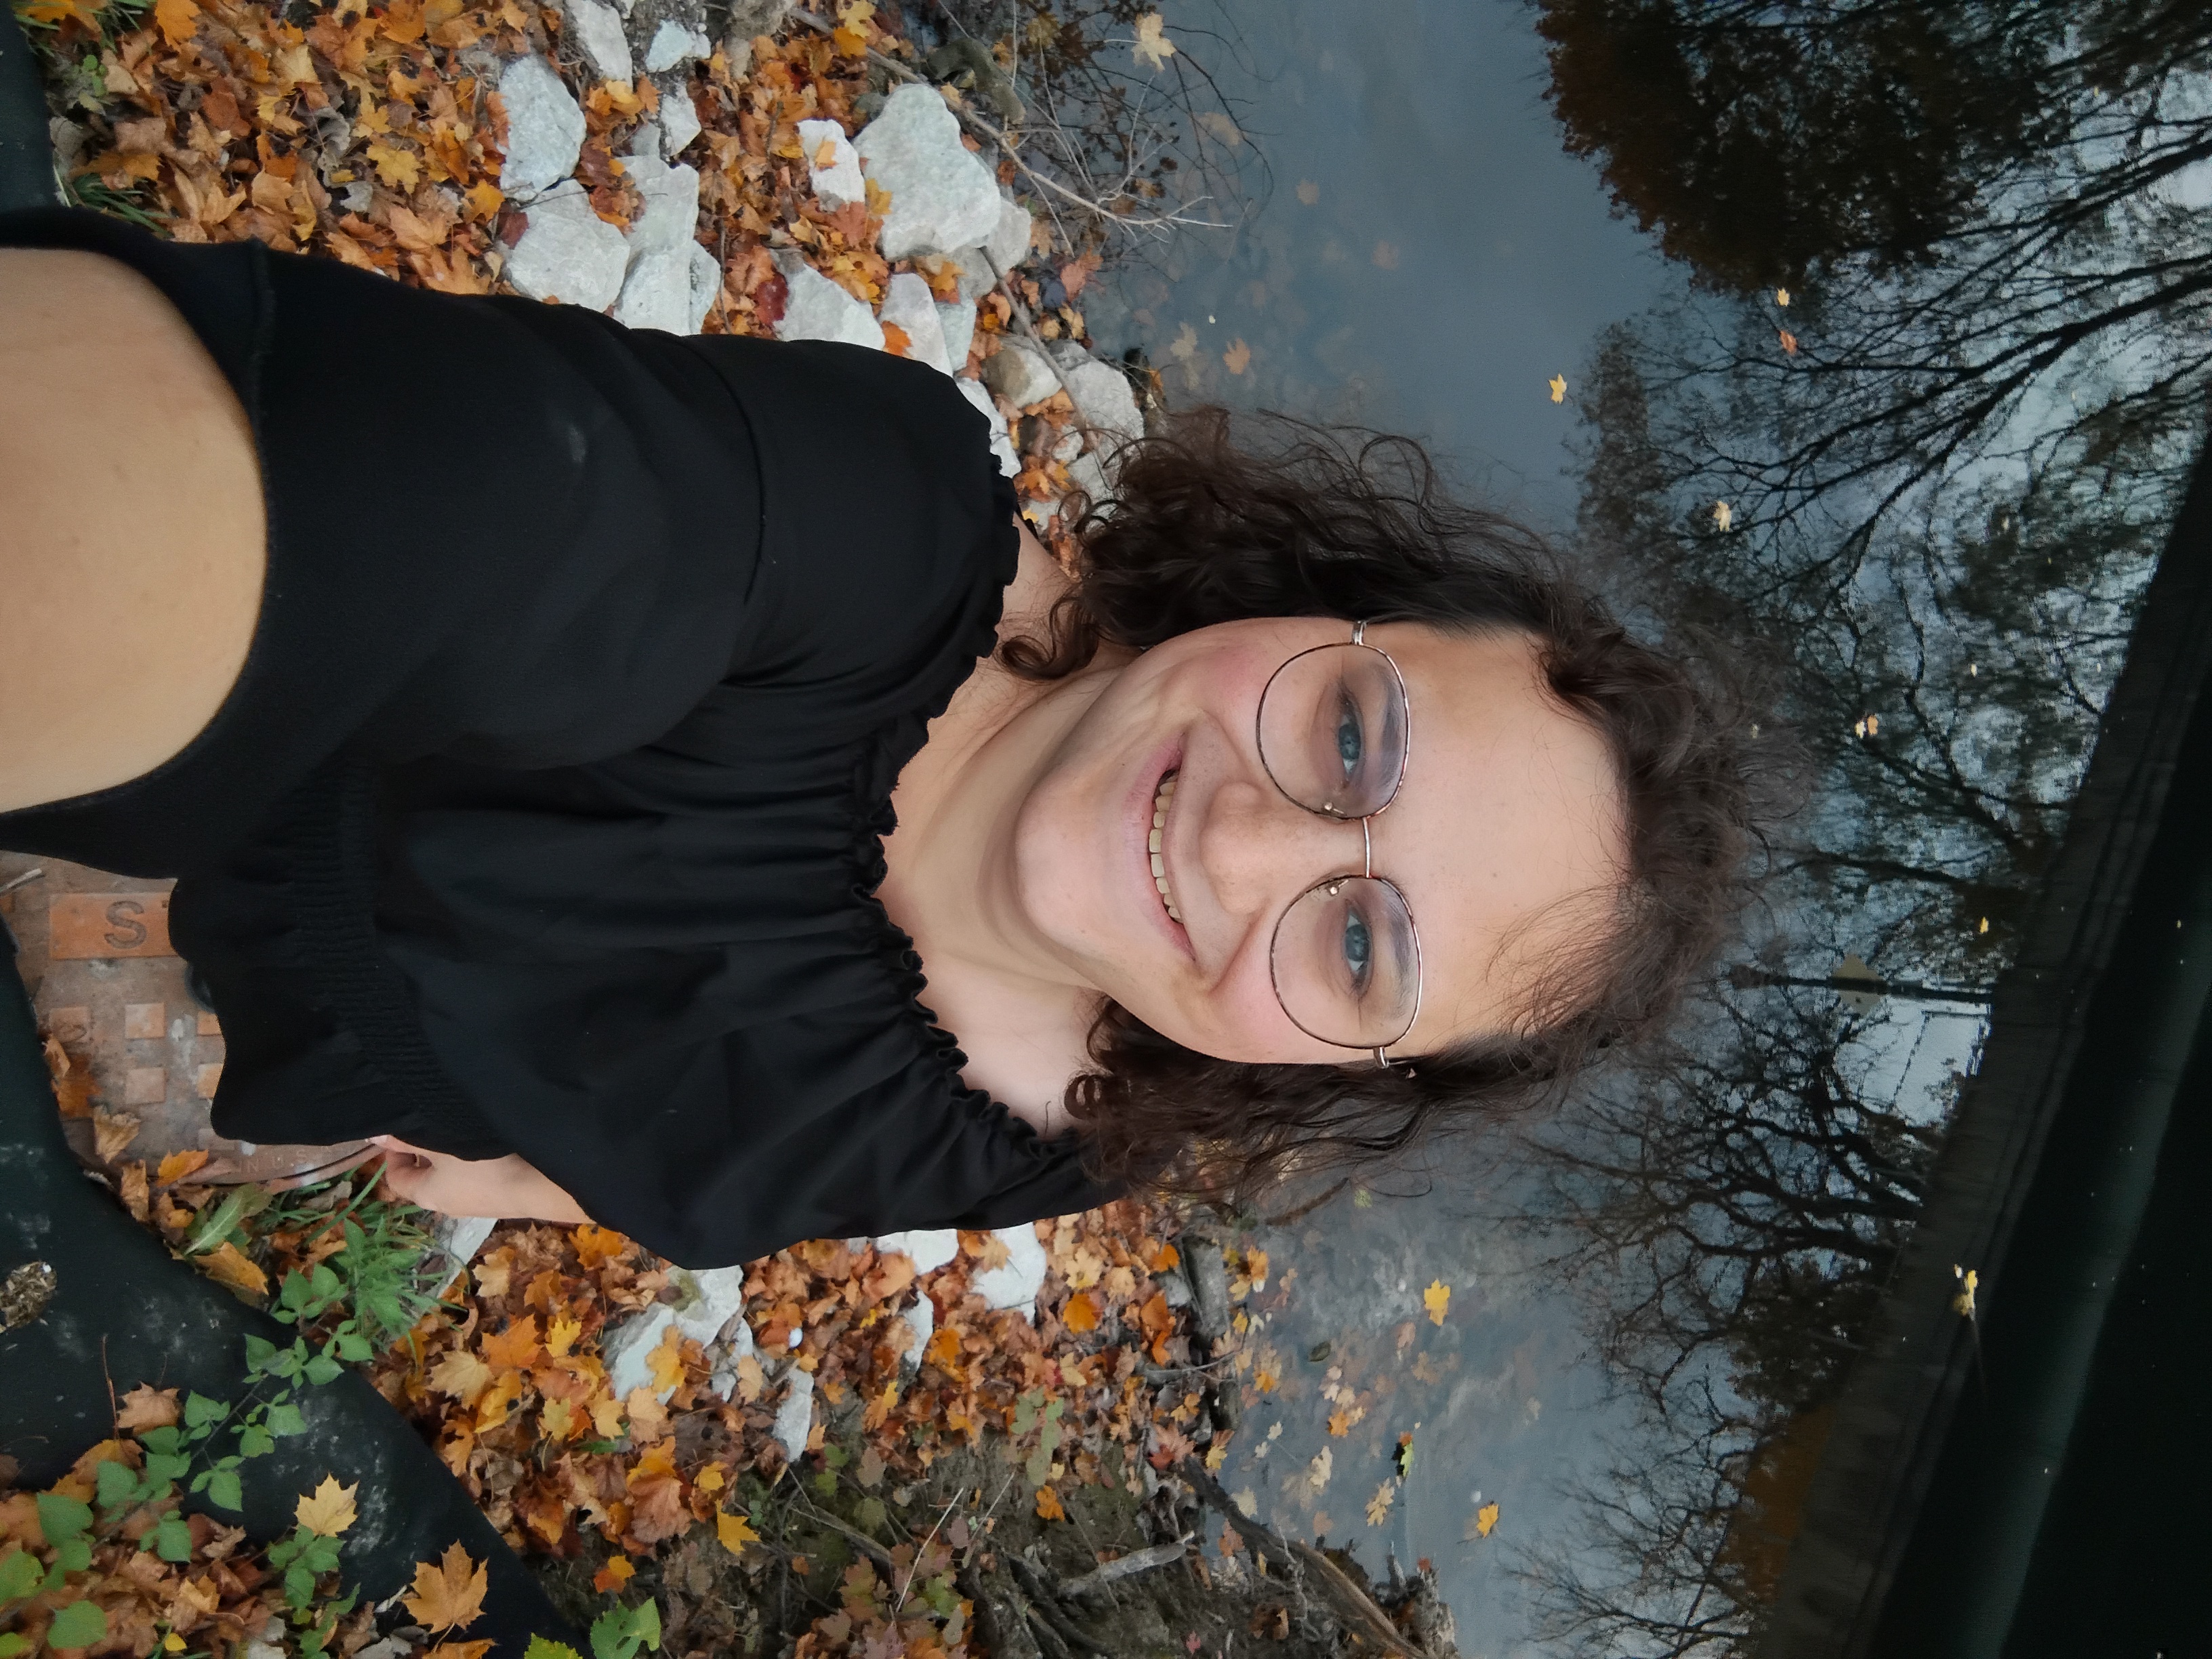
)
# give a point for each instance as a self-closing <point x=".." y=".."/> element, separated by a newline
<point x="708" y="1302"/>
<point x="568" y="252"/>
<point x="1018" y="372"/>
<point x="392" y="1647"/>
<point x="657" y="293"/>
<point x="1102" y="398"/>
<point x="794" y="1418"/>
<point x="1015" y="1285"/>
<point x="675" y="43"/>
<point x="599" y="31"/>
<point x="839" y="184"/>
<point x="545" y="128"/>
<point x="1002" y="441"/>
<point x="921" y="1320"/>
<point x="1008" y="244"/>
<point x="670" y="219"/>
<point x="679" y="121"/>
<point x="706" y="285"/>
<point x="942" y="197"/>
<point x="908" y="305"/>
<point x="1087" y="475"/>
<point x="462" y="1236"/>
<point x="931" y="1247"/>
<point x="956" y="323"/>
<point x="645" y="140"/>
<point x="977" y="277"/>
<point x="819" y="309"/>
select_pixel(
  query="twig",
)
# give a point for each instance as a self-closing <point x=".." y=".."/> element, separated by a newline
<point x="983" y="129"/>
<point x="943" y="1515"/>
<point x="1043" y="1598"/>
<point x="1127" y="1566"/>
<point x="1348" y="1595"/>
<point x="1306" y="1208"/>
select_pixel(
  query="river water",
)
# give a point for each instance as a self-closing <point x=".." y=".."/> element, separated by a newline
<point x="1416" y="253"/>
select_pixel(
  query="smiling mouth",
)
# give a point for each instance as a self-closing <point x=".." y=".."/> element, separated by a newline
<point x="1161" y="797"/>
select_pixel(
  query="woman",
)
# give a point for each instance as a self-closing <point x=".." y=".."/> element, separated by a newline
<point x="572" y="744"/>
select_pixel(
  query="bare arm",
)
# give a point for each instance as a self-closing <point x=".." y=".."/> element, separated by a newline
<point x="505" y="1188"/>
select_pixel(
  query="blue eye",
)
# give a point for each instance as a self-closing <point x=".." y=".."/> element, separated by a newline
<point x="1351" y="741"/>
<point x="1358" y="948"/>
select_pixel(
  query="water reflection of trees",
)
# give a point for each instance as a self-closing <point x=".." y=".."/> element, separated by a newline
<point x="1912" y="432"/>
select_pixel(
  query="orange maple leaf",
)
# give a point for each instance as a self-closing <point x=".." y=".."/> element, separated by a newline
<point x="180" y="19"/>
<point x="667" y="1361"/>
<point x="85" y="12"/>
<point x="512" y="1348"/>
<point x="1048" y="1505"/>
<point x="1238" y="358"/>
<point x="448" y="1596"/>
<point x="176" y="1165"/>
<point x="596" y="1244"/>
<point x="1789" y="341"/>
<point x="1081" y="1313"/>
<point x="613" y="1576"/>
<point x="895" y="340"/>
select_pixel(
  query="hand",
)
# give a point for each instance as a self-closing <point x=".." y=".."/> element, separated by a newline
<point x="505" y="1188"/>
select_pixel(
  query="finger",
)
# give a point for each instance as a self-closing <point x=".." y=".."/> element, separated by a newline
<point x="394" y="1144"/>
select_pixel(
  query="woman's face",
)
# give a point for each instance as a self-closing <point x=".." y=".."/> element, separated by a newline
<point x="1505" y="837"/>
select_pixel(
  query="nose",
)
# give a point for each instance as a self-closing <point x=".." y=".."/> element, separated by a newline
<point x="1260" y="850"/>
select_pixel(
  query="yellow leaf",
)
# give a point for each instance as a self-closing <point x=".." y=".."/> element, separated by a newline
<point x="461" y="1375"/>
<point x="399" y="169"/>
<point x="484" y="200"/>
<point x="1048" y="1505"/>
<point x="1154" y="48"/>
<point x="613" y="1576"/>
<point x="1558" y="384"/>
<point x="85" y="12"/>
<point x="1339" y="1423"/>
<point x="459" y="1651"/>
<point x="849" y="42"/>
<point x="1781" y="298"/>
<point x="176" y="1165"/>
<point x="1379" y="1506"/>
<point x="1238" y="358"/>
<point x="180" y="19"/>
<point x="1485" y="1519"/>
<point x="1435" y="1299"/>
<point x="735" y="1532"/>
<point x="497" y="1401"/>
<point x="667" y="1361"/>
<point x="1724" y="515"/>
<point x="327" y="1511"/>
<point x="448" y="1596"/>
<point x="561" y="1336"/>
<point x="710" y="1479"/>
<point x="112" y="1133"/>
<point x="227" y="1264"/>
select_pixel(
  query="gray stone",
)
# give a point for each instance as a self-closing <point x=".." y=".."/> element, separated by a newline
<point x="710" y="1309"/>
<point x="1008" y="245"/>
<point x="839" y="184"/>
<point x="706" y="285"/>
<point x="750" y="17"/>
<point x="956" y="323"/>
<point x="657" y="293"/>
<point x="1015" y="1285"/>
<point x="1018" y="372"/>
<point x="645" y="140"/>
<point x="928" y="1247"/>
<point x="568" y="252"/>
<point x="679" y="121"/>
<point x="675" y="43"/>
<point x="1087" y="475"/>
<point x="817" y="309"/>
<point x="545" y="128"/>
<point x="671" y="216"/>
<point x="977" y="277"/>
<point x="908" y="305"/>
<point x="599" y="31"/>
<point x="920" y="1321"/>
<point x="462" y="1236"/>
<point x="1103" y="398"/>
<point x="1002" y="441"/>
<point x="942" y="197"/>
<point x="794" y="1418"/>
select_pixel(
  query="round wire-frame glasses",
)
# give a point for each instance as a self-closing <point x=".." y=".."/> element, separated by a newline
<point x="1386" y="894"/>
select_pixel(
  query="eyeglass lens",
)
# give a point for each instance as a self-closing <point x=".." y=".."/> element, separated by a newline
<point x="1333" y="731"/>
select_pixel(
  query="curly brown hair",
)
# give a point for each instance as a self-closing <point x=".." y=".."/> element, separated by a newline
<point x="1201" y="528"/>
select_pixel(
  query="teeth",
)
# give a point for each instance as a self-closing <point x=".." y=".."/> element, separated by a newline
<point x="1159" y="864"/>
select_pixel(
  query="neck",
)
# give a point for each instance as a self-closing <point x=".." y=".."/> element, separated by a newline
<point x="1020" y="1013"/>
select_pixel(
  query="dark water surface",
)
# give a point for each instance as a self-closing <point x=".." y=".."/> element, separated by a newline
<point x="1423" y="258"/>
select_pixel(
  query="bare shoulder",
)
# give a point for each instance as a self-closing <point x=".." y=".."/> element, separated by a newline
<point x="1039" y="582"/>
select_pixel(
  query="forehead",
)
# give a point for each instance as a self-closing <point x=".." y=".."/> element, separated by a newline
<point x="1507" y="835"/>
